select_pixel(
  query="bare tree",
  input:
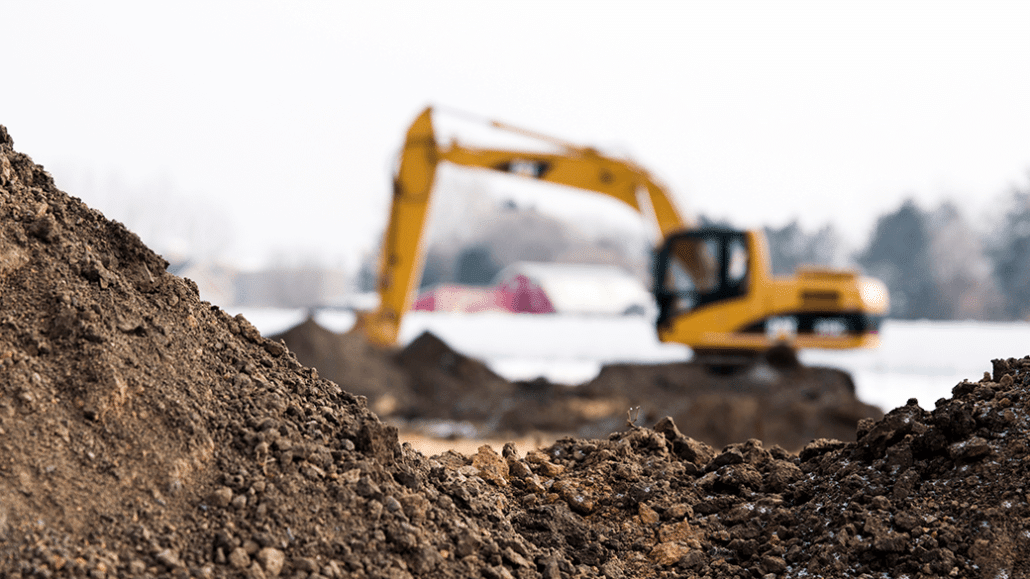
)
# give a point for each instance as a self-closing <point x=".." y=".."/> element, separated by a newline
<point x="790" y="246"/>
<point x="962" y="271"/>
<point x="1010" y="253"/>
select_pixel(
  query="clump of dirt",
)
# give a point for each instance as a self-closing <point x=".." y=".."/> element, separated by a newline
<point x="779" y="401"/>
<point x="144" y="432"/>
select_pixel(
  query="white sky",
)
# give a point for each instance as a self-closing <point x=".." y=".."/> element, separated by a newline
<point x="288" y="115"/>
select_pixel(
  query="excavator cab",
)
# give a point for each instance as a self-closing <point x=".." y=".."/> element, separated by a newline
<point x="715" y="293"/>
<point x="680" y="289"/>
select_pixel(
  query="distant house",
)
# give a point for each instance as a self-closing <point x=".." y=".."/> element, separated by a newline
<point x="458" y="298"/>
<point x="576" y="288"/>
<point x="520" y="294"/>
<point x="544" y="288"/>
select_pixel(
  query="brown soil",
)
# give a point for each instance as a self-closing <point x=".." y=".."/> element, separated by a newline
<point x="777" y="401"/>
<point x="354" y="364"/>
<point x="144" y="432"/>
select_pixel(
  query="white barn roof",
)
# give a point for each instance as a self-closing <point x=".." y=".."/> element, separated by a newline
<point x="584" y="289"/>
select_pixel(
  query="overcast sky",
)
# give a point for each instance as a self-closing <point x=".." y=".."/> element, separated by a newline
<point x="283" y="119"/>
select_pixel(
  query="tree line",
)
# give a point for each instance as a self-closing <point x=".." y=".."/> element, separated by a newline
<point x="937" y="264"/>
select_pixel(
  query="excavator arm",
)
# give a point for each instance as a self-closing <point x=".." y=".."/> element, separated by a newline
<point x="580" y="168"/>
<point x="402" y="255"/>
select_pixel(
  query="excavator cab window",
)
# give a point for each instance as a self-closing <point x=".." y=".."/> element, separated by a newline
<point x="699" y="267"/>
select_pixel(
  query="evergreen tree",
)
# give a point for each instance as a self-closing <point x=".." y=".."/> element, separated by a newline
<point x="899" y="255"/>
<point x="476" y="266"/>
<point x="436" y="270"/>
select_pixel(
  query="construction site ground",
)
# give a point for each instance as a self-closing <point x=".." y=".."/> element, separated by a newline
<point x="427" y="382"/>
<point x="145" y="432"/>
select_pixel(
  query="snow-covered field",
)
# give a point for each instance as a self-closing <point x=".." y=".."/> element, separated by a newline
<point x="922" y="360"/>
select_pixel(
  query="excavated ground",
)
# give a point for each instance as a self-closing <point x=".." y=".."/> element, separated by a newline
<point x="144" y="432"/>
<point x="779" y="402"/>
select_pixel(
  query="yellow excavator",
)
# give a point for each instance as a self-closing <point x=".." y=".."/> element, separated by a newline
<point x="714" y="286"/>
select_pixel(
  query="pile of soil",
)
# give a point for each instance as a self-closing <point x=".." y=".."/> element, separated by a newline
<point x="785" y="404"/>
<point x="777" y="400"/>
<point x="144" y="432"/>
<point x="426" y="380"/>
<point x="920" y="494"/>
<point x="350" y="361"/>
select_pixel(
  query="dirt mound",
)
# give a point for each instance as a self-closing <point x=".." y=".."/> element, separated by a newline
<point x="789" y="406"/>
<point x="144" y="432"/>
<point x="351" y="362"/>
<point x="451" y="385"/>
<point x="784" y="404"/>
<point x="920" y="494"/>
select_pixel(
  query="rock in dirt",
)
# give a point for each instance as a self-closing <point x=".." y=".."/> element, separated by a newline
<point x="128" y="405"/>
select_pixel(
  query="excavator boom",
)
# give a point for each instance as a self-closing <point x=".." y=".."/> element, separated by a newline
<point x="580" y="168"/>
